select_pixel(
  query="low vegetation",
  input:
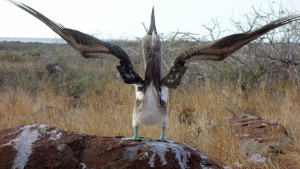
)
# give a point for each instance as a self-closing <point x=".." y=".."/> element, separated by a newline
<point x="88" y="96"/>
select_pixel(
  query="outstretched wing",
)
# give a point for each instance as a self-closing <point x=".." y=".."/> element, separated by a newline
<point x="88" y="46"/>
<point x="218" y="50"/>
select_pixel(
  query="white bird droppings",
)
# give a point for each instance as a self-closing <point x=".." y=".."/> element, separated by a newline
<point x="160" y="149"/>
<point x="83" y="166"/>
<point x="23" y="143"/>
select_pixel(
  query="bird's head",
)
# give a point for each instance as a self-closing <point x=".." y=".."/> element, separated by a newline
<point x="151" y="42"/>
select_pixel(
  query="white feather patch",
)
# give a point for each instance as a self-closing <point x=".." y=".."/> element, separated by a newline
<point x="151" y="113"/>
<point x="164" y="93"/>
<point x="138" y="94"/>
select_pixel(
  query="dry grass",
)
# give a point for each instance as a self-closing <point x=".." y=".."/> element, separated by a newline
<point x="107" y="112"/>
<point x="30" y="95"/>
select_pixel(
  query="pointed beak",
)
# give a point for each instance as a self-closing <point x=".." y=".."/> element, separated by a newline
<point x="152" y="28"/>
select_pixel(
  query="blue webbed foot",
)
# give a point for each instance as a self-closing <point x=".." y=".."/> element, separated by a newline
<point x="135" y="136"/>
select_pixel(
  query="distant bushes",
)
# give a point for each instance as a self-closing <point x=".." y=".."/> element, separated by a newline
<point x="14" y="56"/>
<point x="27" y="68"/>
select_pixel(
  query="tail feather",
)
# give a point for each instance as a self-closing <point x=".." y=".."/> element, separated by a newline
<point x="153" y="74"/>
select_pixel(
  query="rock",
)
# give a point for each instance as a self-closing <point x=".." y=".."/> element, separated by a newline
<point x="54" y="68"/>
<point x="42" y="146"/>
<point x="260" y="136"/>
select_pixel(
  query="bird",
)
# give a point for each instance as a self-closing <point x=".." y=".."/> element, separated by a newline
<point x="152" y="90"/>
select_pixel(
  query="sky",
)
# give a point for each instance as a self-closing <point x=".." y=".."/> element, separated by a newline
<point x="122" y="19"/>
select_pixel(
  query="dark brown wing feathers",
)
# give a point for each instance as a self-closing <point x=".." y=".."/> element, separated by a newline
<point x="218" y="50"/>
<point x="88" y="46"/>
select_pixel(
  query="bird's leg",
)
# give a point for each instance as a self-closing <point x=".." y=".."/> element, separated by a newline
<point x="163" y="137"/>
<point x="135" y="135"/>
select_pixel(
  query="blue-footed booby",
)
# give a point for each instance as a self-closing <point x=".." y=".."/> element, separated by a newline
<point x="152" y="90"/>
